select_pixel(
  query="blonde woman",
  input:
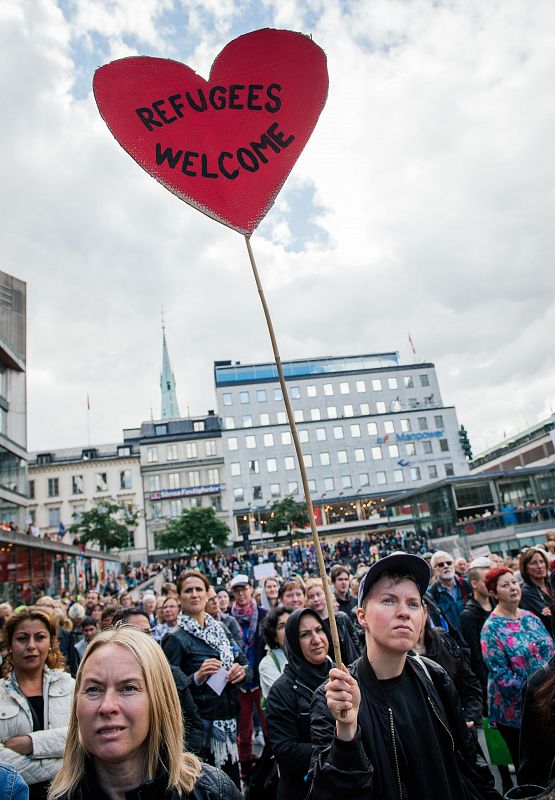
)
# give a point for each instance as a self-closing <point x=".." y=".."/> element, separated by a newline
<point x="125" y="733"/>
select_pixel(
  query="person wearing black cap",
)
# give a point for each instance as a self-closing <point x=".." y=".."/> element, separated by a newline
<point x="402" y="734"/>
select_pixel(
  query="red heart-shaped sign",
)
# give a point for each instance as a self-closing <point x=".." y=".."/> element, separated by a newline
<point x="226" y="145"/>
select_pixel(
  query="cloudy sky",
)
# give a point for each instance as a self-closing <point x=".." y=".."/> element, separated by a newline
<point x="424" y="202"/>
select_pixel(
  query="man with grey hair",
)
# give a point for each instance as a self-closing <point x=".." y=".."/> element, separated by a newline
<point x="450" y="592"/>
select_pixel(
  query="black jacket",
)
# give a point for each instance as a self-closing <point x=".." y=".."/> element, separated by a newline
<point x="368" y="768"/>
<point x="213" y="784"/>
<point x="534" y="600"/>
<point x="472" y="622"/>
<point x="186" y="653"/>
<point x="288" y="725"/>
<point x="537" y="749"/>
<point x="348" y="639"/>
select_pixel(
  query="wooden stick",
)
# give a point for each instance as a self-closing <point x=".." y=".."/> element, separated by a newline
<point x="302" y="468"/>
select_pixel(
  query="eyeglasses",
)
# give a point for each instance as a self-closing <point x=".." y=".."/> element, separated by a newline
<point x="444" y="564"/>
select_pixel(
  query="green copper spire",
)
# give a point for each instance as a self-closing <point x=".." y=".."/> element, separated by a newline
<point x="170" y="409"/>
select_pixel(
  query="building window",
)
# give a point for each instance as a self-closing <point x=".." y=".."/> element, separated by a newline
<point x="312" y="486"/>
<point x="213" y="476"/>
<point x="77" y="485"/>
<point x="156" y="510"/>
<point x="432" y="471"/>
<point x="388" y="427"/>
<point x="274" y="490"/>
<point x="315" y="414"/>
<point x="229" y="423"/>
<point x="125" y="481"/>
<point x="257" y="492"/>
<point x="413" y="402"/>
<point x="422" y="423"/>
<point x="268" y="440"/>
<point x="235" y="468"/>
<point x="277" y="394"/>
<point x="281" y="418"/>
<point x="338" y="432"/>
<point x="307" y="458"/>
<point x="444" y="445"/>
<point x="342" y="456"/>
<point x="415" y="473"/>
<point x="261" y="395"/>
<point x="264" y="419"/>
<point x="244" y="398"/>
<point x="392" y="383"/>
<point x="298" y="415"/>
<point x="176" y="508"/>
<point x="303" y="436"/>
<point x="449" y="471"/>
<point x="381" y="407"/>
<point x="359" y="454"/>
<point x="199" y="426"/>
<point x="344" y="388"/>
<point x="172" y="452"/>
<point x="232" y="443"/>
<point x="174" y="480"/>
<point x="329" y="484"/>
<point x="364" y="409"/>
<point x="438" y="421"/>
<point x="408" y="382"/>
<point x="311" y="391"/>
<point x="328" y="389"/>
<point x="295" y="393"/>
<point x="363" y="479"/>
<point x="250" y="442"/>
<point x="101" y="482"/>
<point x="124" y="451"/>
<point x="271" y="465"/>
<point x="210" y="447"/>
<point x="405" y="425"/>
<point x="46" y="458"/>
<point x="153" y="483"/>
<point x="31" y="490"/>
<point x="289" y="462"/>
<point x="361" y="386"/>
<point x="77" y="514"/>
<point x="196" y="502"/>
<point x="393" y="450"/>
<point x="286" y="437"/>
<point x="227" y="400"/>
<point x="355" y="431"/>
<point x="247" y="421"/>
<point x="191" y="450"/>
<point x="398" y="476"/>
<point x="377" y="453"/>
<point x="410" y="449"/>
<point x="160" y="430"/>
<point x="293" y="487"/>
<point x="53" y="487"/>
<point x="348" y="411"/>
<point x="428" y="448"/>
<point x="372" y="429"/>
<point x="254" y="466"/>
<point x="321" y="434"/>
<point x="346" y="482"/>
<point x="424" y="380"/>
<point x="381" y="478"/>
<point x="331" y="412"/>
<point x="325" y="460"/>
<point x="54" y="518"/>
<point x="376" y="384"/>
<point x="194" y="478"/>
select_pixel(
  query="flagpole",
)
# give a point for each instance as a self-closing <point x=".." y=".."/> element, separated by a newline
<point x="88" y="422"/>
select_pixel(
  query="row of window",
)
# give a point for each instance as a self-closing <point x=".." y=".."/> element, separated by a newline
<point x="403" y="425"/>
<point x="330" y="484"/>
<point x="78" y="483"/>
<point x="161" y="428"/>
<point x="285" y="438"/>
<point x="178" y="505"/>
<point x="54" y="514"/>
<point x="178" y="480"/>
<point x="315" y="414"/>
<point x="328" y="389"/>
<point x="191" y="450"/>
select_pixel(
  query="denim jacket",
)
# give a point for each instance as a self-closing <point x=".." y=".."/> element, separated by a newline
<point x="12" y="785"/>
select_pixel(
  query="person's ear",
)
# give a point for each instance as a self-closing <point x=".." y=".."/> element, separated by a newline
<point x="360" y="617"/>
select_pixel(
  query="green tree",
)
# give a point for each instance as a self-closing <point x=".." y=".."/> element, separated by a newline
<point x="109" y="524"/>
<point x="285" y="515"/>
<point x="197" y="530"/>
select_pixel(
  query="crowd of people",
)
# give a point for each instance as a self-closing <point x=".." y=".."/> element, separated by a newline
<point x="222" y="686"/>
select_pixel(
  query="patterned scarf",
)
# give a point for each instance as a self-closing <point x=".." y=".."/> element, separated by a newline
<point x="212" y="634"/>
<point x="247" y="617"/>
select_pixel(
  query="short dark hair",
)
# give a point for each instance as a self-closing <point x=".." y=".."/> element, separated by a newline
<point x="269" y="625"/>
<point x="88" y="621"/>
<point x="338" y="569"/>
<point x="123" y="614"/>
<point x="107" y="612"/>
<point x="394" y="577"/>
<point x="191" y="573"/>
<point x="526" y="557"/>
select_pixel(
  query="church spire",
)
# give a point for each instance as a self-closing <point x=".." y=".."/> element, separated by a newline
<point x="170" y="409"/>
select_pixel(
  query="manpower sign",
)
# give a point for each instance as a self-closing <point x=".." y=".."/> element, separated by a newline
<point x="411" y="437"/>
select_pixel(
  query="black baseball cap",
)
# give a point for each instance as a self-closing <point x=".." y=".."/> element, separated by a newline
<point x="405" y="563"/>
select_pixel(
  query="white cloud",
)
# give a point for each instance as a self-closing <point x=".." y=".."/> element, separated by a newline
<point x="432" y="161"/>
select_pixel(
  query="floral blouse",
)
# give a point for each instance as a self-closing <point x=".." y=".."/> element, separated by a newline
<point x="512" y="649"/>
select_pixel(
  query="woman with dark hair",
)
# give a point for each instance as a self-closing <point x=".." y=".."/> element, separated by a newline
<point x="288" y="706"/>
<point x="537" y="731"/>
<point x="514" y="645"/>
<point x="35" y="699"/>
<point x="536" y="595"/>
<point x="439" y="646"/>
<point x="271" y="666"/>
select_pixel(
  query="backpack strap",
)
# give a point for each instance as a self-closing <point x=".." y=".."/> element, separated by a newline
<point x="275" y="660"/>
